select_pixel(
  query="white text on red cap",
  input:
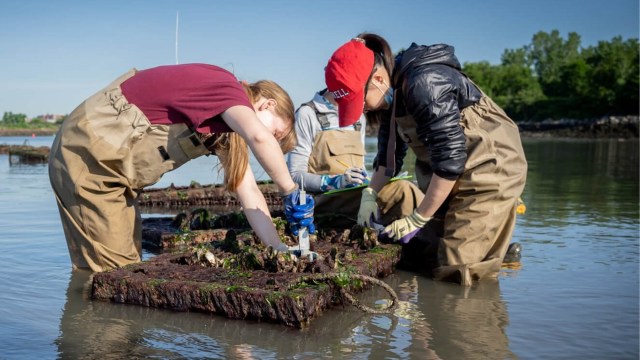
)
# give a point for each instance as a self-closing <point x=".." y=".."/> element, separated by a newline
<point x="340" y="93"/>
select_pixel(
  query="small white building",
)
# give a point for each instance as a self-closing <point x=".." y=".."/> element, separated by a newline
<point x="50" y="118"/>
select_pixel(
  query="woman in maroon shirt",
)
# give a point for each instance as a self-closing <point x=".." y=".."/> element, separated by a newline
<point x="149" y="122"/>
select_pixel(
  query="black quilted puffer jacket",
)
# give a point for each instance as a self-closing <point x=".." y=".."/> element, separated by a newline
<point x="430" y="87"/>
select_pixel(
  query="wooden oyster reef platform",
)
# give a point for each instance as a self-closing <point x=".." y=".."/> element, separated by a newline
<point x="196" y="195"/>
<point x="227" y="271"/>
<point x="190" y="228"/>
<point x="25" y="154"/>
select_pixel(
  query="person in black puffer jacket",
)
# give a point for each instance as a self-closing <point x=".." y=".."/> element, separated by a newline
<point x="469" y="158"/>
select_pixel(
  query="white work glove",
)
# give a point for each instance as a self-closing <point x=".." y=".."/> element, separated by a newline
<point x="368" y="212"/>
<point x="403" y="230"/>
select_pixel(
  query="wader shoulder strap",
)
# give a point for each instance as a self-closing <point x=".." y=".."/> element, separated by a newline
<point x="323" y="119"/>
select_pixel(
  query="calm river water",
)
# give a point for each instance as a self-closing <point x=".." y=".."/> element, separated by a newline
<point x="574" y="297"/>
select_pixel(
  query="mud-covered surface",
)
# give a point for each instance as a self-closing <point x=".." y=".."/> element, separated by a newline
<point x="226" y="270"/>
<point x="196" y="195"/>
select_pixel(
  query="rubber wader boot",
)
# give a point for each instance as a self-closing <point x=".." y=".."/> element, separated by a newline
<point x="514" y="253"/>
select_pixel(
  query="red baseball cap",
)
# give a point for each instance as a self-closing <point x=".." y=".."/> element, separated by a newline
<point x="346" y="75"/>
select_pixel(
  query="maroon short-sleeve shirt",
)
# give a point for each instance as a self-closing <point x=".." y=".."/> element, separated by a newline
<point x="193" y="94"/>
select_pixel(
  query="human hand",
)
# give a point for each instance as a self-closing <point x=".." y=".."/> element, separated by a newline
<point x="354" y="176"/>
<point x="351" y="177"/>
<point x="368" y="212"/>
<point x="303" y="215"/>
<point x="403" y="230"/>
<point x="298" y="215"/>
<point x="330" y="182"/>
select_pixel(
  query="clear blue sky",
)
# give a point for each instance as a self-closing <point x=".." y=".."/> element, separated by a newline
<point x="57" y="53"/>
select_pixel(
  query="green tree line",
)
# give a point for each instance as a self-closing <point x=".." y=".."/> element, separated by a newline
<point x="19" y="121"/>
<point x="553" y="77"/>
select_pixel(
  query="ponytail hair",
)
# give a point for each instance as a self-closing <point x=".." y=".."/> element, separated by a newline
<point x="383" y="57"/>
<point x="233" y="153"/>
<point x="231" y="148"/>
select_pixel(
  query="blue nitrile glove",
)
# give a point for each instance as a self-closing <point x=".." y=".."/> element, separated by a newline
<point x="351" y="177"/>
<point x="298" y="215"/>
<point x="304" y="217"/>
<point x="403" y="230"/>
<point x="330" y="182"/>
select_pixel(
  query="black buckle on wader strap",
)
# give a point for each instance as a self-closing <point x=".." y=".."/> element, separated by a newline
<point x="164" y="153"/>
<point x="195" y="139"/>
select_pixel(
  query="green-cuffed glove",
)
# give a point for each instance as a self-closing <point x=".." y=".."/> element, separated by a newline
<point x="403" y="230"/>
<point x="369" y="211"/>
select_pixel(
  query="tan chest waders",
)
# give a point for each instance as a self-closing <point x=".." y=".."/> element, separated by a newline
<point x="480" y="212"/>
<point x="103" y="154"/>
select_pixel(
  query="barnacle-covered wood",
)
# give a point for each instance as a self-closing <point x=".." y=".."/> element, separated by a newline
<point x="26" y="154"/>
<point x="194" y="227"/>
<point x="234" y="275"/>
<point x="196" y="195"/>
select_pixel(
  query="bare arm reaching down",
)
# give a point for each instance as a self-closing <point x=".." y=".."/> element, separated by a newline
<point x="263" y="144"/>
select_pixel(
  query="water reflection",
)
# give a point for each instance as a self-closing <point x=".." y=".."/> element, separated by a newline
<point x="576" y="295"/>
<point x="95" y="329"/>
<point x="460" y="323"/>
<point x="457" y="322"/>
<point x="596" y="178"/>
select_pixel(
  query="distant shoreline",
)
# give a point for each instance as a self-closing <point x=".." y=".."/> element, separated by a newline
<point x="27" y="132"/>
<point x="608" y="127"/>
<point x="615" y="127"/>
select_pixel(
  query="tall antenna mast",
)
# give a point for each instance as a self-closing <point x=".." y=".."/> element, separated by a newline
<point x="177" y="37"/>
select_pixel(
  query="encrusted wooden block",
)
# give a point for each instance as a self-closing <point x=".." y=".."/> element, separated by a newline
<point x="251" y="283"/>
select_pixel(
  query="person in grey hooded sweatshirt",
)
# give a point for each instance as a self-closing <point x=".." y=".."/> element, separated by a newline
<point x="469" y="158"/>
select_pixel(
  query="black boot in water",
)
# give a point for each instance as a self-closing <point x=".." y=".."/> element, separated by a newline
<point x="514" y="253"/>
